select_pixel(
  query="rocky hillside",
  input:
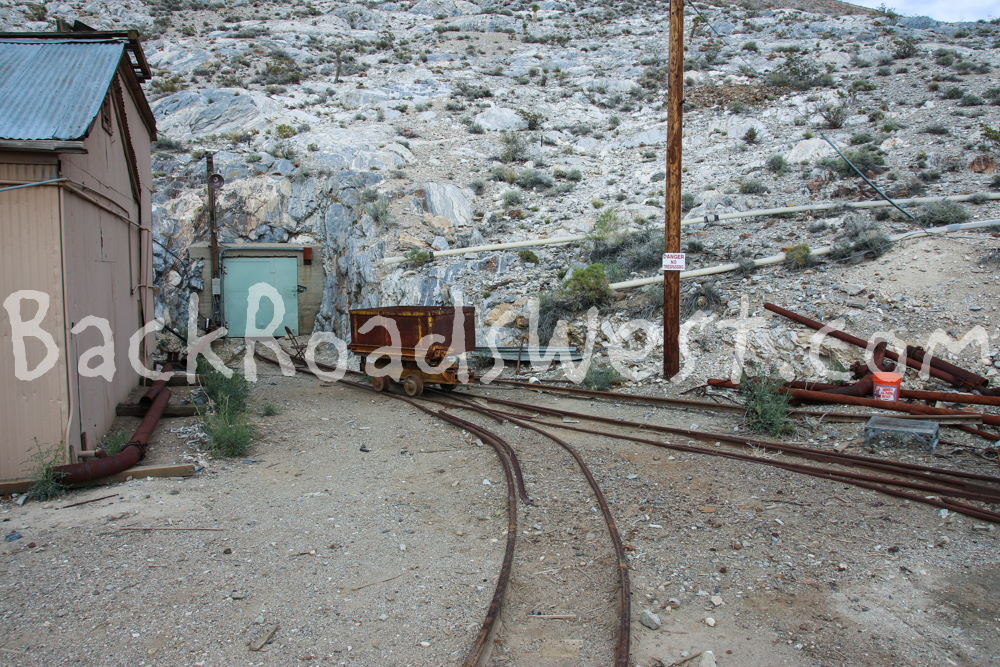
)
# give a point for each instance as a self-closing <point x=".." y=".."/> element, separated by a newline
<point x="390" y="129"/>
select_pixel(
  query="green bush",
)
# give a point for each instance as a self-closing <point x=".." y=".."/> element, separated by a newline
<point x="861" y="237"/>
<point x="229" y="430"/>
<point x="511" y="198"/>
<point x="115" y="442"/>
<point x="861" y="138"/>
<point x="750" y="136"/>
<point x="574" y="175"/>
<point x="269" y="409"/>
<point x="767" y="406"/>
<point x="601" y="378"/>
<point x="46" y="482"/>
<point x="513" y="147"/>
<point x="799" y="74"/>
<point x="284" y="131"/>
<point x="532" y="179"/>
<point x="687" y="202"/>
<point x="752" y="187"/>
<point x="478" y="186"/>
<point x="777" y="164"/>
<point x="863" y="158"/>
<point x="800" y="257"/>
<point x="705" y="298"/>
<point x="941" y="213"/>
<point x="417" y="257"/>
<point x="528" y="256"/>
<point x="234" y="390"/>
<point x="589" y="287"/>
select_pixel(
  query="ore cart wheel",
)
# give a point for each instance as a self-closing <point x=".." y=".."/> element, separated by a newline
<point x="413" y="385"/>
<point x="447" y="387"/>
<point x="380" y="383"/>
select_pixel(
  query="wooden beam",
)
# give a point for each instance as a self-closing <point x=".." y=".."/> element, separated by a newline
<point x="22" y="484"/>
<point x="43" y="145"/>
<point x="171" y="410"/>
<point x="672" y="204"/>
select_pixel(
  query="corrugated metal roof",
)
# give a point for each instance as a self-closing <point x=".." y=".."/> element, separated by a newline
<point x="53" y="89"/>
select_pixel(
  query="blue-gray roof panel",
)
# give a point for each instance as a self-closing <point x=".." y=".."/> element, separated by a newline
<point x="53" y="90"/>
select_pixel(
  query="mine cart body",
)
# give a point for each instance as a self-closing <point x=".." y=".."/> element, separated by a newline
<point x="414" y="323"/>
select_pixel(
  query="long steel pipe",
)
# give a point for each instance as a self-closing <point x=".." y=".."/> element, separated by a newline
<point x="148" y="398"/>
<point x="131" y="453"/>
<point x="824" y="397"/>
<point x="912" y="394"/>
<point x="854" y="340"/>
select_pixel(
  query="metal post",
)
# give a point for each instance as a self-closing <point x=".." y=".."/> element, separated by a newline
<point x="216" y="273"/>
<point x="672" y="235"/>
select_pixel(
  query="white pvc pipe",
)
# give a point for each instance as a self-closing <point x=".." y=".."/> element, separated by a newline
<point x="777" y="259"/>
<point x="692" y="221"/>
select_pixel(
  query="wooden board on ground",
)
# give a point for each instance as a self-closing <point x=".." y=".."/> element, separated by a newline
<point x="182" y="470"/>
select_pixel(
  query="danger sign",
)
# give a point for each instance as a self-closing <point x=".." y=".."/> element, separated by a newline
<point x="673" y="261"/>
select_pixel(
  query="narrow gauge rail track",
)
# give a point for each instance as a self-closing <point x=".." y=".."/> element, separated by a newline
<point x="515" y="488"/>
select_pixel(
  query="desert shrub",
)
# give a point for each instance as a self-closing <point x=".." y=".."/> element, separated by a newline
<point x="694" y="246"/>
<point x="513" y="147"/>
<point x="269" y="409"/>
<point x="863" y="85"/>
<point x="640" y="250"/>
<point x="751" y="46"/>
<point x="279" y="69"/>
<point x="834" y="115"/>
<point x="904" y="48"/>
<point x="798" y="73"/>
<point x="941" y="213"/>
<point x="861" y="138"/>
<point x="168" y="144"/>
<point x="115" y="442"/>
<point x="752" y="187"/>
<point x="284" y="131"/>
<point x="705" y="298"/>
<point x="528" y="256"/>
<point x="863" y="158"/>
<point x="746" y="267"/>
<point x="229" y="430"/>
<point x="766" y="404"/>
<point x="478" y="186"/>
<point x="936" y="128"/>
<point x="970" y="100"/>
<point x="46" y="481"/>
<point x="687" y="202"/>
<point x="750" y="136"/>
<point x="953" y="93"/>
<point x="589" y="287"/>
<point x="512" y="198"/>
<point x="417" y="257"/>
<point x="532" y="179"/>
<point x="601" y="377"/>
<point x="861" y="236"/>
<point x="380" y="211"/>
<point x="777" y="164"/>
<point x="471" y="91"/>
<point x="476" y="128"/>
<point x="800" y="257"/>
<point x="234" y="390"/>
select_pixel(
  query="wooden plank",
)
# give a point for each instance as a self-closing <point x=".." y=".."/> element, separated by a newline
<point x="46" y="145"/>
<point x="259" y="643"/>
<point x="22" y="484"/>
<point x="171" y="410"/>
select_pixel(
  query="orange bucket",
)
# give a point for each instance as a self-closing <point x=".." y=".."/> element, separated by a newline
<point x="887" y="386"/>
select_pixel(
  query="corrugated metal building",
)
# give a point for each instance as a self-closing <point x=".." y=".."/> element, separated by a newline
<point x="75" y="212"/>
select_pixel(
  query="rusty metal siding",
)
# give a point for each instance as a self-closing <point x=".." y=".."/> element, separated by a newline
<point x="30" y="259"/>
<point x="53" y="90"/>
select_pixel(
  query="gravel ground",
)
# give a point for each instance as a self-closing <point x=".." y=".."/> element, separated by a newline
<point x="389" y="557"/>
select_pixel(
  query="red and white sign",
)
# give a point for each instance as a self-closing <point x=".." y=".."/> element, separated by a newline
<point x="673" y="261"/>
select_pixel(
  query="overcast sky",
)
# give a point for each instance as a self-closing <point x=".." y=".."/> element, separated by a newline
<point x="942" y="10"/>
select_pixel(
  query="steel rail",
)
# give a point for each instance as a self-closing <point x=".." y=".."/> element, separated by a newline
<point x="623" y="647"/>
<point x="864" y="481"/>
<point x="806" y="452"/>
<point x="503" y="451"/>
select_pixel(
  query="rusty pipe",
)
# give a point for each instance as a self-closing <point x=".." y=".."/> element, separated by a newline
<point x="854" y="340"/>
<point x="131" y="453"/>
<point x="824" y="397"/>
<point x="150" y="395"/>
<point x="971" y="379"/>
<point x="911" y="394"/>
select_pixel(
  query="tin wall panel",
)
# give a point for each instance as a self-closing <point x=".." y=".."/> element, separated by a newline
<point x="30" y="260"/>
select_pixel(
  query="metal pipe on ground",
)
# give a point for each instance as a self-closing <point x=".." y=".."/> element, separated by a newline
<point x="859" y="342"/>
<point x="150" y="395"/>
<point x="918" y="354"/>
<point x="911" y="394"/>
<point x="133" y="451"/>
<point x="823" y="397"/>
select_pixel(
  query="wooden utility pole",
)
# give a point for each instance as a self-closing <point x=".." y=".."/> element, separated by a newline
<point x="216" y="273"/>
<point x="672" y="240"/>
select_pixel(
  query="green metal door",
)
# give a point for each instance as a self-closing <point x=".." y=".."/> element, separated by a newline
<point x="242" y="273"/>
